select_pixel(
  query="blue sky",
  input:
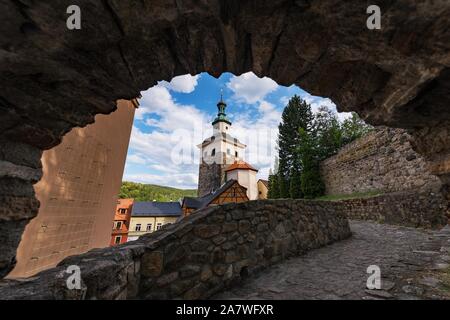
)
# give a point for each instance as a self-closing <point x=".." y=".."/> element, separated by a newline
<point x="175" y="117"/>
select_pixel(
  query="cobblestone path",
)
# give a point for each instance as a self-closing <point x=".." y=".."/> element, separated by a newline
<point x="414" y="264"/>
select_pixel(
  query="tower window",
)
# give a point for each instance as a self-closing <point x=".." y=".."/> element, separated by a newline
<point x="213" y="152"/>
<point x="226" y="128"/>
<point x="236" y="154"/>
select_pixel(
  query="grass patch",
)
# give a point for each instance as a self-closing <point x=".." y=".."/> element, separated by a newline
<point x="356" y="195"/>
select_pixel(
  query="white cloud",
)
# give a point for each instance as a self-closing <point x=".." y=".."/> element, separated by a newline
<point x="284" y="100"/>
<point x="169" y="149"/>
<point x="137" y="159"/>
<point x="171" y="115"/>
<point x="185" y="83"/>
<point x="248" y="88"/>
<point x="157" y="148"/>
<point x="259" y="131"/>
<point x="317" y="102"/>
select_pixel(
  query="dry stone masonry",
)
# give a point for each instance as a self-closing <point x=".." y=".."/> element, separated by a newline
<point x="204" y="253"/>
<point x="383" y="160"/>
<point x="412" y="209"/>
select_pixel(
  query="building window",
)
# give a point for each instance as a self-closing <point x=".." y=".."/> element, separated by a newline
<point x="158" y="226"/>
<point x="123" y="211"/>
<point x="228" y="152"/>
<point x="213" y="152"/>
<point x="118" y="239"/>
<point x="149" y="227"/>
<point x="118" y="225"/>
<point x="226" y="128"/>
<point x="236" y="154"/>
<point x="138" y="227"/>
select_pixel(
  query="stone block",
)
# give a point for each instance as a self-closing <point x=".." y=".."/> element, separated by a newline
<point x="207" y="231"/>
<point x="152" y="263"/>
<point x="167" y="279"/>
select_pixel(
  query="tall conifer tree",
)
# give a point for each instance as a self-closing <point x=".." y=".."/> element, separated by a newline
<point x="296" y="115"/>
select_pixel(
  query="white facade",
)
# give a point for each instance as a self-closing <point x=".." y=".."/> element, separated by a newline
<point x="221" y="148"/>
<point x="247" y="179"/>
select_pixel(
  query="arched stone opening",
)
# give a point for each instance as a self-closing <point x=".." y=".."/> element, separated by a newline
<point x="54" y="79"/>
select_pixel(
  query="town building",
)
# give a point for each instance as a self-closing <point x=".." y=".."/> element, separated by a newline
<point x="121" y="221"/>
<point x="217" y="153"/>
<point x="147" y="217"/>
<point x="77" y="193"/>
<point x="231" y="191"/>
<point x="222" y="160"/>
<point x="245" y="174"/>
<point x="263" y="188"/>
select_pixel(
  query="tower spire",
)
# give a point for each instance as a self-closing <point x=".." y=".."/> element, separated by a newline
<point x="221" y="115"/>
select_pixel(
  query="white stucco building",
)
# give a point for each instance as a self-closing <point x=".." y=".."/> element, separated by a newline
<point x="222" y="159"/>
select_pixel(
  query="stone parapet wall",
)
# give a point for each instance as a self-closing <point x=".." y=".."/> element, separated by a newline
<point x="413" y="209"/>
<point x="195" y="258"/>
<point x="383" y="160"/>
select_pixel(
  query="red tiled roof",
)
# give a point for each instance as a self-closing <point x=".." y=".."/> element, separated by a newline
<point x="240" y="165"/>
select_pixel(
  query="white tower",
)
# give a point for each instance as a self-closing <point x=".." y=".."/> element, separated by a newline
<point x="217" y="152"/>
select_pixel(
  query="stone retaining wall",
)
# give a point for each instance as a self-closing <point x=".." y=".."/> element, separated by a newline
<point x="195" y="258"/>
<point x="413" y="209"/>
<point x="383" y="160"/>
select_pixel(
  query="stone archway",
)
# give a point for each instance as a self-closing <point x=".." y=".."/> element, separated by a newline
<point x="54" y="79"/>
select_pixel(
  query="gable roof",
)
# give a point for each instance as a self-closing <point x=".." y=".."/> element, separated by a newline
<point x="202" y="202"/>
<point x="240" y="165"/>
<point x="156" y="209"/>
<point x="264" y="182"/>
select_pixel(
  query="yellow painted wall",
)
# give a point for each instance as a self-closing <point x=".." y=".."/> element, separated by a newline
<point x="144" y="221"/>
<point x="262" y="190"/>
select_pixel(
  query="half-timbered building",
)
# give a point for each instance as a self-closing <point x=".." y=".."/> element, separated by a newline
<point x="229" y="192"/>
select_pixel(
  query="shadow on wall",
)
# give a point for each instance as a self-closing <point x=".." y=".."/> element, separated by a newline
<point x="77" y="193"/>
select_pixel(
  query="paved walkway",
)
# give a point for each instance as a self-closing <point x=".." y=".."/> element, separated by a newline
<point x="414" y="264"/>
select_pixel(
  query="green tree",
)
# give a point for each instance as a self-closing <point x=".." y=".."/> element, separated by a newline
<point x="328" y="133"/>
<point x="308" y="153"/>
<point x="304" y="141"/>
<point x="354" y="128"/>
<point x="312" y="185"/>
<point x="297" y="114"/>
<point x="148" y="192"/>
<point x="295" y="185"/>
<point x="274" y="190"/>
<point x="283" y="186"/>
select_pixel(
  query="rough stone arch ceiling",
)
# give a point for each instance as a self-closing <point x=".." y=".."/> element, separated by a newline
<point x="53" y="79"/>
